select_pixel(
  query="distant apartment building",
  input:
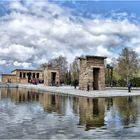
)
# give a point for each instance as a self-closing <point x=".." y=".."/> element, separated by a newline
<point x="23" y="76"/>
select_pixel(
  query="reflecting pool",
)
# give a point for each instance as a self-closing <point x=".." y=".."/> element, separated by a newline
<point x="35" y="115"/>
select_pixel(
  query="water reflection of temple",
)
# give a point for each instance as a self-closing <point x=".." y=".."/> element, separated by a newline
<point x="91" y="112"/>
<point x="20" y="95"/>
<point x="50" y="102"/>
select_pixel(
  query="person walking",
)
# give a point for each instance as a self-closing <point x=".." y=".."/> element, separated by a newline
<point x="129" y="86"/>
<point x="75" y="83"/>
<point x="87" y="87"/>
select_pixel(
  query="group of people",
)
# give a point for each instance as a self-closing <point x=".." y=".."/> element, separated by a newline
<point x="9" y="81"/>
<point x="53" y="83"/>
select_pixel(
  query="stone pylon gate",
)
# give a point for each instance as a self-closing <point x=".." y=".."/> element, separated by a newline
<point x="51" y="76"/>
<point x="92" y="73"/>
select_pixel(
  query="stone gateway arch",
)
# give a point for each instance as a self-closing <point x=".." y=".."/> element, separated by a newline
<point x="92" y="73"/>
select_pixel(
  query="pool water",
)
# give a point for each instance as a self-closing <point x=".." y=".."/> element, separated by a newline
<point x="35" y="115"/>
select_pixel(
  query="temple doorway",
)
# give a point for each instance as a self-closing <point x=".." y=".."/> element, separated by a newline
<point x="53" y="78"/>
<point x="29" y="77"/>
<point x="95" y="78"/>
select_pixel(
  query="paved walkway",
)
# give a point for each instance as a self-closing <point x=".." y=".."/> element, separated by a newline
<point x="68" y="90"/>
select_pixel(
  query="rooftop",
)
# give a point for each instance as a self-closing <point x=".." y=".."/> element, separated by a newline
<point x="9" y="74"/>
<point x="90" y="56"/>
<point x="26" y="70"/>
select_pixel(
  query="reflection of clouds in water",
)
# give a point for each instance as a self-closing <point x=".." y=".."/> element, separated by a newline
<point x="18" y="113"/>
<point x="6" y="104"/>
<point x="27" y="119"/>
<point x="27" y="112"/>
<point x="113" y="120"/>
<point x="68" y="109"/>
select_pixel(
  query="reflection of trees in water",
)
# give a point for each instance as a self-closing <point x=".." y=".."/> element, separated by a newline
<point x="127" y="109"/>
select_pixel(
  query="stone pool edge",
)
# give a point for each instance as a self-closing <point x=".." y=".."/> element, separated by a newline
<point x="68" y="90"/>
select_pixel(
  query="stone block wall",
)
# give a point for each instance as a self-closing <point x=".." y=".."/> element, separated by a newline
<point x="87" y="67"/>
<point x="9" y="78"/>
<point x="83" y="76"/>
<point x="48" y="75"/>
<point x="14" y="76"/>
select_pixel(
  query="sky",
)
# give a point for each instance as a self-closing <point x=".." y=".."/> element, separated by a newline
<point x="35" y="31"/>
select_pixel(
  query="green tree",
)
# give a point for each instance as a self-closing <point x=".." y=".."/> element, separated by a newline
<point x="43" y="66"/>
<point x="109" y="74"/>
<point x="128" y="64"/>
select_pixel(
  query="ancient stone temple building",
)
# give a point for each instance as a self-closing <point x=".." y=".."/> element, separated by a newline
<point x="23" y="76"/>
<point x="92" y="73"/>
<point x="51" y="76"/>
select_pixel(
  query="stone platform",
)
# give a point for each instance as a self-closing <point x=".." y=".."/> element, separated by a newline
<point x="68" y="90"/>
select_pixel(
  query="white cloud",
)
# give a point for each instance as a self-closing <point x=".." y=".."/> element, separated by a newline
<point x="101" y="51"/>
<point x="2" y="62"/>
<point x="17" y="6"/>
<point x="110" y="27"/>
<point x="24" y="64"/>
<point x="34" y="32"/>
<point x="17" y="52"/>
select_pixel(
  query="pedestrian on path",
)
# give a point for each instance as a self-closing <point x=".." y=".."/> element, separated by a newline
<point x="87" y="87"/>
<point x="75" y="83"/>
<point x="129" y="86"/>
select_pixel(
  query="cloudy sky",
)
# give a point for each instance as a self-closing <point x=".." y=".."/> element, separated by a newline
<point x="34" y="31"/>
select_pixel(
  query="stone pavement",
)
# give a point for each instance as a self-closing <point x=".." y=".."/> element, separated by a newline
<point x="69" y="90"/>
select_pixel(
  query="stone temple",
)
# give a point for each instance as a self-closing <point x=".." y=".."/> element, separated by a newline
<point x="51" y="76"/>
<point x="91" y="76"/>
<point x="92" y="73"/>
<point x="23" y="76"/>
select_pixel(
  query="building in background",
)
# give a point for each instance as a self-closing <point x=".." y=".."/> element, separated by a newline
<point x="23" y="76"/>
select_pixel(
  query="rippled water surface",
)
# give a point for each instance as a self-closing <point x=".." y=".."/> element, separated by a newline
<point x="30" y="114"/>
